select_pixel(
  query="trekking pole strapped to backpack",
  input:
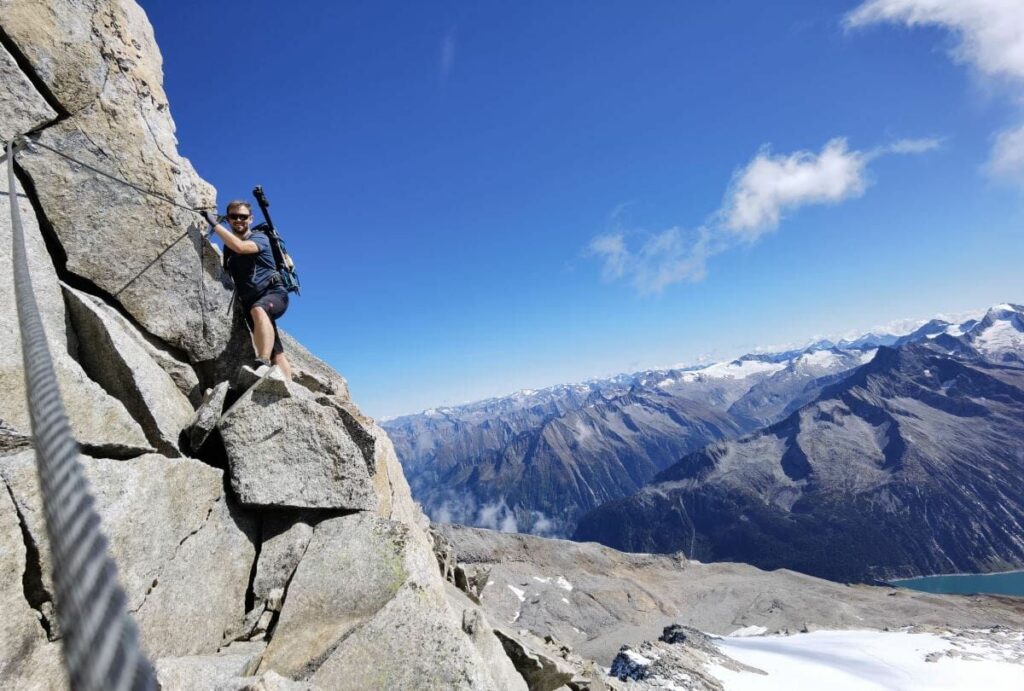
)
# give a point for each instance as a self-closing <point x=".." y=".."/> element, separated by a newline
<point x="285" y="265"/>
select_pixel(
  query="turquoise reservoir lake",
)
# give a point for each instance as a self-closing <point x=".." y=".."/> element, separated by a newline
<point x="1008" y="583"/>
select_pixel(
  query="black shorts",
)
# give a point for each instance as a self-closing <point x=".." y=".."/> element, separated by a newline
<point x="274" y="303"/>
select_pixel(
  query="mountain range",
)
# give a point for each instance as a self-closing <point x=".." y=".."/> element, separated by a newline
<point x="537" y="461"/>
<point x="910" y="465"/>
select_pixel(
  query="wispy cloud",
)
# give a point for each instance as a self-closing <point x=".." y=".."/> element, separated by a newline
<point x="989" y="38"/>
<point x="1007" y="159"/>
<point x="990" y="32"/>
<point x="447" y="60"/>
<point x="672" y="256"/>
<point x="759" y="196"/>
<point x="911" y="146"/>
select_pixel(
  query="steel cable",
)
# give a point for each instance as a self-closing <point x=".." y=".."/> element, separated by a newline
<point x="100" y="641"/>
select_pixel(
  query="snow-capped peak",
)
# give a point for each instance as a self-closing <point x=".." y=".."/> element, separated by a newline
<point x="1000" y="331"/>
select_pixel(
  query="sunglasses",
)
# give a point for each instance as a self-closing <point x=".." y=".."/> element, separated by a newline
<point x="238" y="217"/>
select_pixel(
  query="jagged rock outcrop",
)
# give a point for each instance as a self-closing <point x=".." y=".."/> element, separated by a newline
<point x="99" y="61"/>
<point x="679" y="658"/>
<point x="486" y="640"/>
<point x="290" y="554"/>
<point x="541" y="672"/>
<point x="363" y="583"/>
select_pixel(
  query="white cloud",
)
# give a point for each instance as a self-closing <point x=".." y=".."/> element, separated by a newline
<point x="990" y="38"/>
<point x="990" y="32"/>
<point x="769" y="185"/>
<point x="1007" y="158"/>
<point x="760" y="194"/>
<point x="447" y="54"/>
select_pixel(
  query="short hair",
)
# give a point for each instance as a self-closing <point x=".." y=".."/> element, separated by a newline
<point x="235" y="203"/>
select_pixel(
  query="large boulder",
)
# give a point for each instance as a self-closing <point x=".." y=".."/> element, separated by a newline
<point x="100" y="61"/>
<point x="365" y="609"/>
<point x="286" y="449"/>
<point x="27" y="660"/>
<point x="410" y="643"/>
<point x="352" y="567"/>
<point x="117" y="359"/>
<point x="184" y="555"/>
<point x="99" y="421"/>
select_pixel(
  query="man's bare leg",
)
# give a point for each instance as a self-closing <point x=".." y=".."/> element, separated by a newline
<point x="262" y="333"/>
<point x="282" y="362"/>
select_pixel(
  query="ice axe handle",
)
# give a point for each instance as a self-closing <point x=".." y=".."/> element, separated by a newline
<point x="261" y="199"/>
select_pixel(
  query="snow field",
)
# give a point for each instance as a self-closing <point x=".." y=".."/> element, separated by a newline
<point x="868" y="660"/>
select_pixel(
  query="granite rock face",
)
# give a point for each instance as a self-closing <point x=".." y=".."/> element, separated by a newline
<point x="285" y="540"/>
<point x="26" y="658"/>
<point x="98" y="420"/>
<point x="353" y="566"/>
<point x="197" y="672"/>
<point x="238" y="550"/>
<point x="22" y="107"/>
<point x="116" y="358"/>
<point x="99" y="60"/>
<point x="286" y="449"/>
<point x="184" y="555"/>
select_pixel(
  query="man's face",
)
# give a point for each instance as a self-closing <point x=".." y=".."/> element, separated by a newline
<point x="240" y="218"/>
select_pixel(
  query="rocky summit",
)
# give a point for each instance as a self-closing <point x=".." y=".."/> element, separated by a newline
<point x="263" y="529"/>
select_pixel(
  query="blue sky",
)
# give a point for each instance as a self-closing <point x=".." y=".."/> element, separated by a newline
<point x="489" y="196"/>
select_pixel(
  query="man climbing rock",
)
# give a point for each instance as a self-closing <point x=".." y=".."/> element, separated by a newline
<point x="250" y="261"/>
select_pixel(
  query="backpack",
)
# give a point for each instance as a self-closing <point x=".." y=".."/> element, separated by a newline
<point x="285" y="265"/>
<point x="286" y="273"/>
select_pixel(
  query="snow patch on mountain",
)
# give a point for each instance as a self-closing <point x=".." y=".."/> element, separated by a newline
<point x="1001" y="336"/>
<point x="855" y="660"/>
<point x="737" y="369"/>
